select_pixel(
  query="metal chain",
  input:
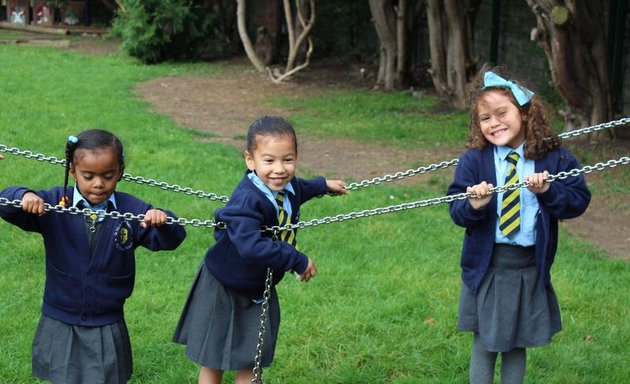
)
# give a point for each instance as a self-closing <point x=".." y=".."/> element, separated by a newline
<point x="257" y="371"/>
<point x="445" y="164"/>
<point x="115" y="215"/>
<point x="329" y="219"/>
<point x="402" y="174"/>
<point x="439" y="200"/>
<point x="126" y="176"/>
<point x="352" y="186"/>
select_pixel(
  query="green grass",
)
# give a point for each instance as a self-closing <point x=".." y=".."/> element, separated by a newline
<point x="386" y="118"/>
<point x="383" y="308"/>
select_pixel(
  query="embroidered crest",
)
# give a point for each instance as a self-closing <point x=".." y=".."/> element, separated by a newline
<point x="122" y="236"/>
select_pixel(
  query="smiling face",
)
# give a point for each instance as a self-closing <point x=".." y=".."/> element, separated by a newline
<point x="96" y="172"/>
<point x="500" y="119"/>
<point x="274" y="159"/>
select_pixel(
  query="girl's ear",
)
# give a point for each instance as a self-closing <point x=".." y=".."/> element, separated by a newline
<point x="249" y="160"/>
<point x="73" y="171"/>
<point x="122" y="172"/>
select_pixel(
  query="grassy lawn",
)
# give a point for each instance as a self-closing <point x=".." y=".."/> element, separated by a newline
<point x="383" y="308"/>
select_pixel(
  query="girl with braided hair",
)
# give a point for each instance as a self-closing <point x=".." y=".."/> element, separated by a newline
<point x="90" y="265"/>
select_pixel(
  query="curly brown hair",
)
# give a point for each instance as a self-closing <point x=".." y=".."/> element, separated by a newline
<point x="539" y="137"/>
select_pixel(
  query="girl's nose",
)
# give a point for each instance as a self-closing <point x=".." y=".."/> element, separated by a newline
<point x="98" y="182"/>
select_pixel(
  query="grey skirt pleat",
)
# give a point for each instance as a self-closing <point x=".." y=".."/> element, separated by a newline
<point x="511" y="309"/>
<point x="72" y="354"/>
<point x="220" y="327"/>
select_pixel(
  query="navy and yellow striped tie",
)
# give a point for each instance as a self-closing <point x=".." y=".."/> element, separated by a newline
<point x="284" y="219"/>
<point x="510" y="220"/>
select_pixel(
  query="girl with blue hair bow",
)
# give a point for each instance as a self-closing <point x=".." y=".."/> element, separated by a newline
<point x="511" y="238"/>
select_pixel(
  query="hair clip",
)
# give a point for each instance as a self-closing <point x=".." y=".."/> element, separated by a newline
<point x="521" y="94"/>
<point x="73" y="139"/>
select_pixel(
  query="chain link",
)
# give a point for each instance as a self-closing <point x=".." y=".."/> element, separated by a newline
<point x="440" y="200"/>
<point x="449" y="163"/>
<point x="257" y="371"/>
<point x="352" y="186"/>
<point x="115" y="215"/>
<point x="137" y="179"/>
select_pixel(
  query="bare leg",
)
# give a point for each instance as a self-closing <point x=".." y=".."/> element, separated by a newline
<point x="244" y="377"/>
<point x="210" y="376"/>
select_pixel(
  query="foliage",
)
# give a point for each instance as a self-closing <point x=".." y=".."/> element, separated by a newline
<point x="163" y="30"/>
<point x="344" y="30"/>
<point x="383" y="309"/>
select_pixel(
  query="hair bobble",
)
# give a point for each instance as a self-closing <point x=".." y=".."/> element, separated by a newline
<point x="73" y="139"/>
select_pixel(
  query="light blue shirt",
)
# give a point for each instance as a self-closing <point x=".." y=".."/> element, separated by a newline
<point x="271" y="195"/>
<point x="77" y="198"/>
<point x="526" y="236"/>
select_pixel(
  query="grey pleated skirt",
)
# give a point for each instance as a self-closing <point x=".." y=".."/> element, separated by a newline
<point x="511" y="309"/>
<point x="72" y="354"/>
<point x="220" y="327"/>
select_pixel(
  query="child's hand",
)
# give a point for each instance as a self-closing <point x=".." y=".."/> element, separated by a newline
<point x="311" y="271"/>
<point x="536" y="182"/>
<point x="1" y="157"/>
<point x="32" y="203"/>
<point x="483" y="195"/>
<point x="153" y="218"/>
<point x="336" y="187"/>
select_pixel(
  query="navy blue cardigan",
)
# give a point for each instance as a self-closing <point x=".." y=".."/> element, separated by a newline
<point x="565" y="199"/>
<point x="83" y="288"/>
<point x="242" y="253"/>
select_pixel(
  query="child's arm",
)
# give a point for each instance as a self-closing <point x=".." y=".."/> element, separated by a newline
<point x="483" y="195"/>
<point x="336" y="187"/>
<point x="32" y="203"/>
<point x="157" y="236"/>
<point x="310" y="272"/>
<point x="154" y="218"/>
<point x="564" y="198"/>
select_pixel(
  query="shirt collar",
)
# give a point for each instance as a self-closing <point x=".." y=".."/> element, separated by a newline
<point x="77" y="198"/>
<point x="504" y="151"/>
<point x="264" y="188"/>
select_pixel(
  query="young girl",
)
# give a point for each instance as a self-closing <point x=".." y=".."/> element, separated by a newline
<point x="510" y="242"/>
<point x="90" y="264"/>
<point x="220" y="321"/>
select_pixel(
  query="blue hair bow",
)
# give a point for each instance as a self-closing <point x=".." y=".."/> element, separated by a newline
<point x="73" y="139"/>
<point x="521" y="94"/>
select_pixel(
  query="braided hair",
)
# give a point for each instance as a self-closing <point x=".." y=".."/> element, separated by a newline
<point x="89" y="139"/>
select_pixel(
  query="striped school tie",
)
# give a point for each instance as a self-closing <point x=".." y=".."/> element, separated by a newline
<point x="510" y="220"/>
<point x="283" y="219"/>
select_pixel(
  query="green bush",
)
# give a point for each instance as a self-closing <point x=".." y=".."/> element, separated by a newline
<point x="166" y="30"/>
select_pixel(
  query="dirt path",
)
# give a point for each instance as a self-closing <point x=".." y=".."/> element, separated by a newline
<point x="226" y="105"/>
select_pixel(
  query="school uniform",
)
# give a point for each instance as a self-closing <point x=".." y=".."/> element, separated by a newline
<point x="220" y="320"/>
<point x="82" y="336"/>
<point x="506" y="293"/>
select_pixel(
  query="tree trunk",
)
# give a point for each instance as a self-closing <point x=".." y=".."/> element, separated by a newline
<point x="401" y="41"/>
<point x="451" y="44"/>
<point x="572" y="34"/>
<point x="384" y="19"/>
<point x="242" y="31"/>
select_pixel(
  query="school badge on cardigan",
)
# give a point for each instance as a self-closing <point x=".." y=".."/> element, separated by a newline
<point x="122" y="236"/>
